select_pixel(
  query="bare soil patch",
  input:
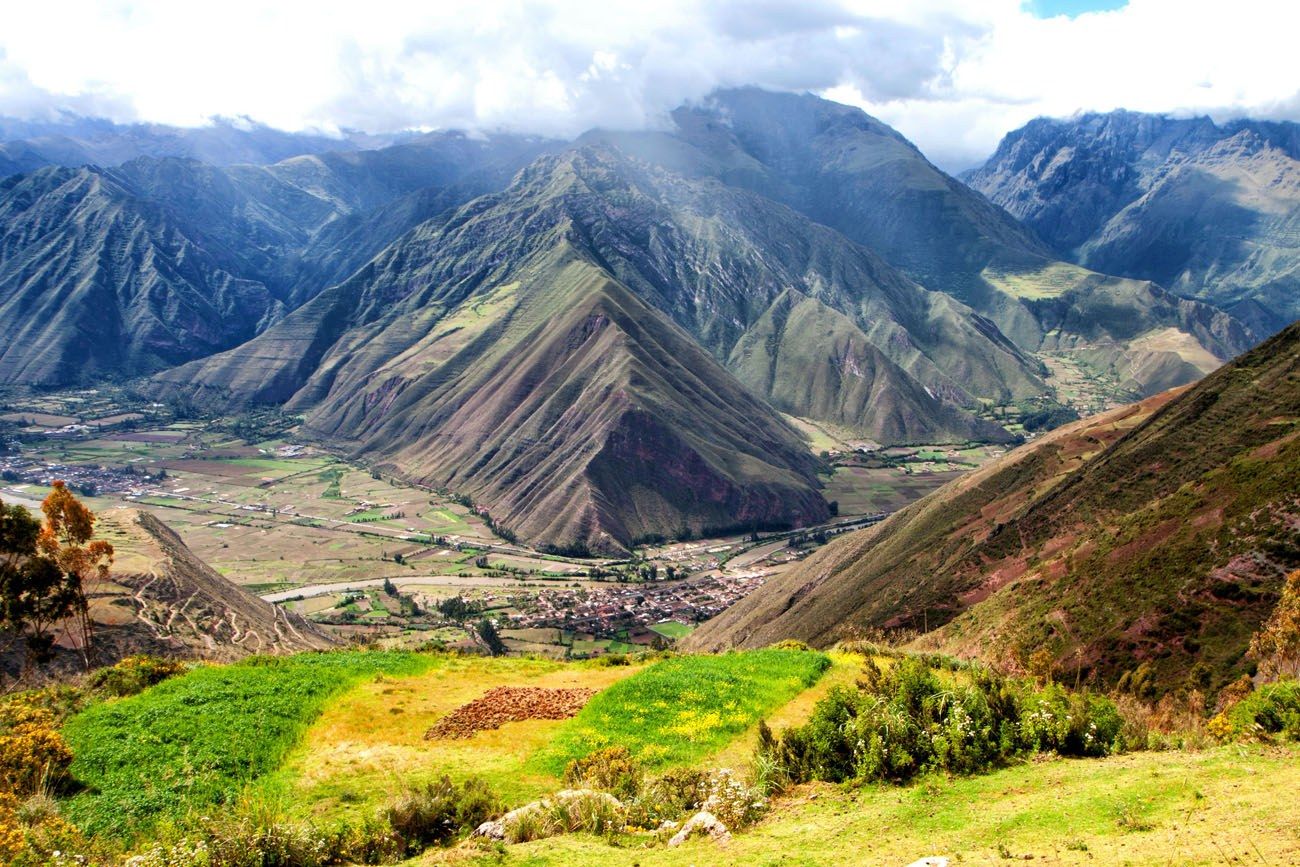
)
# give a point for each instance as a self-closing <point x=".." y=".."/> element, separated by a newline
<point x="504" y="704"/>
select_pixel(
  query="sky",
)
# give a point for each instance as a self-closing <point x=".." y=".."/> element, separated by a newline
<point x="952" y="75"/>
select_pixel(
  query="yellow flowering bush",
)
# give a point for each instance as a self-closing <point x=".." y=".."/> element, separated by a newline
<point x="12" y="839"/>
<point x="33" y="755"/>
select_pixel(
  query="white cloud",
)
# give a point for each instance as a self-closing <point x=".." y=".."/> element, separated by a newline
<point x="953" y="75"/>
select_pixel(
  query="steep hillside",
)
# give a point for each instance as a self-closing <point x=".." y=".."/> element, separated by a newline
<point x="850" y="172"/>
<point x="96" y="283"/>
<point x="1155" y="536"/>
<point x="574" y="414"/>
<point x="1208" y="211"/>
<point x="720" y="262"/>
<point x="125" y="271"/>
<point x="162" y="599"/>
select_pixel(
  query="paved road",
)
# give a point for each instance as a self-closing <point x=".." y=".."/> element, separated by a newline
<point x="422" y="580"/>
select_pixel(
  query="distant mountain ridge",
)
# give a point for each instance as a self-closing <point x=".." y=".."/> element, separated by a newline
<point x="423" y="306"/>
<point x="1209" y="211"/>
<point x="124" y="271"/>
<point x="74" y="141"/>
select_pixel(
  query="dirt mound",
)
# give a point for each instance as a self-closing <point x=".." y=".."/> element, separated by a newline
<point x="504" y="704"/>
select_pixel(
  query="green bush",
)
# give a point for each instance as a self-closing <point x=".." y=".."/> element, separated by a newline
<point x="439" y="811"/>
<point x="611" y="769"/>
<point x="907" y="721"/>
<point x="247" y="841"/>
<point x="1273" y="709"/>
<point x="135" y="674"/>
<point x="669" y="797"/>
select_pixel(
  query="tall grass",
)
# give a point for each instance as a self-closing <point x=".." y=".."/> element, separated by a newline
<point x="682" y="709"/>
<point x="194" y="742"/>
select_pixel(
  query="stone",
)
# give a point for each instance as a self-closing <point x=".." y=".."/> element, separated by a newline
<point x="701" y="823"/>
<point x="493" y="830"/>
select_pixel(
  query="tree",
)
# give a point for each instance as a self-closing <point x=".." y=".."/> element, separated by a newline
<point x="488" y="632"/>
<point x="1277" y="644"/>
<point x="68" y="540"/>
<point x="44" y="572"/>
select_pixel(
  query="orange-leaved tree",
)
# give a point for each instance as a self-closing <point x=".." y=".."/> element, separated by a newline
<point x="68" y="539"/>
<point x="44" y="572"/>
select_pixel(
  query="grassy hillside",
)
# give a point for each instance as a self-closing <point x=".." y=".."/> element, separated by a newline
<point x="295" y="758"/>
<point x="196" y="741"/>
<point x="683" y="709"/>
<point x="1160" y="808"/>
<point x="1155" y="537"/>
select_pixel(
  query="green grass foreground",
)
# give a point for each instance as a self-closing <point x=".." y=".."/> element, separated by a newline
<point x="195" y="741"/>
<point x="684" y="708"/>
<point x="1226" y="805"/>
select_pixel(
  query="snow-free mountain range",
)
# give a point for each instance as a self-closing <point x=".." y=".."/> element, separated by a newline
<point x="602" y="341"/>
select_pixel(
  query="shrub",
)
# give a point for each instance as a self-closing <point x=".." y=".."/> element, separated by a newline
<point x="736" y="803"/>
<point x="906" y="721"/>
<point x="611" y="769"/>
<point x="1273" y="709"/>
<point x="135" y="674"/>
<point x="33" y="755"/>
<point x="589" y="811"/>
<point x="528" y="823"/>
<point x="669" y="796"/>
<point x="12" y="839"/>
<point x="245" y="840"/>
<point x="33" y="834"/>
<point x="439" y="811"/>
<point x="1070" y="724"/>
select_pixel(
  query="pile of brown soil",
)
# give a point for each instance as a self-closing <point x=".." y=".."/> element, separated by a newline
<point x="504" y="704"/>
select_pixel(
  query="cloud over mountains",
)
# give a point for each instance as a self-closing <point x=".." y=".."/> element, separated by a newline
<point x="953" y="75"/>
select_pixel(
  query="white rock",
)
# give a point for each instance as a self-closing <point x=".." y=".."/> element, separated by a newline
<point x="495" y="830"/>
<point x="931" y="861"/>
<point x="701" y="823"/>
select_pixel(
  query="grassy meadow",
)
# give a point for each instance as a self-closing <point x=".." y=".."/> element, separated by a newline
<point x="1225" y="805"/>
<point x="682" y="709"/>
<point x="330" y="740"/>
<point x="198" y="740"/>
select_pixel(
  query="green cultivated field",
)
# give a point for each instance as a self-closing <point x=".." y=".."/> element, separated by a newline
<point x="197" y="740"/>
<point x="672" y="629"/>
<point x="684" y="708"/>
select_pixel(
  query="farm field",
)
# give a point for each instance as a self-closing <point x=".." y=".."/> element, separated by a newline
<point x="333" y="734"/>
<point x="337" y="736"/>
<point x="672" y="629"/>
<point x="684" y="708"/>
<point x="200" y="739"/>
<point x="309" y="531"/>
<point x="269" y="513"/>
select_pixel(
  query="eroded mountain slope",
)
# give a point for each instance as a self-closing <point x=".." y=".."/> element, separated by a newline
<point x="1157" y="535"/>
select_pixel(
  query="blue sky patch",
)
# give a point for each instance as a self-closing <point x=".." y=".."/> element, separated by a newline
<point x="1072" y="8"/>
